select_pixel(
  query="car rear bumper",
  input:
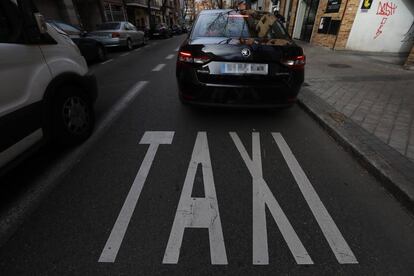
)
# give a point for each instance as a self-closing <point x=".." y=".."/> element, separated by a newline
<point x="257" y="94"/>
<point x="111" y="42"/>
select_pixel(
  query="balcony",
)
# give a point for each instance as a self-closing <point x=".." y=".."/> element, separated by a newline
<point x="155" y="4"/>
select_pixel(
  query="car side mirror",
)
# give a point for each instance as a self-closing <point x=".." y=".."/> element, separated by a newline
<point x="41" y="23"/>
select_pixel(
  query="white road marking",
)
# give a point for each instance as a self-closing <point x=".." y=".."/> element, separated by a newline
<point x="158" y="67"/>
<point x="170" y="56"/>
<point x="339" y="246"/>
<point x="198" y="212"/>
<point x="154" y="139"/>
<point x="137" y="49"/>
<point x="176" y="49"/>
<point x="263" y="196"/>
<point x="125" y="54"/>
<point x="108" y="61"/>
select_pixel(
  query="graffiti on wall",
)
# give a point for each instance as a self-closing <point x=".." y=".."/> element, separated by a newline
<point x="385" y="10"/>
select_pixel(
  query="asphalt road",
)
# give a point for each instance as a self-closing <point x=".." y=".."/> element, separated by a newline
<point x="164" y="188"/>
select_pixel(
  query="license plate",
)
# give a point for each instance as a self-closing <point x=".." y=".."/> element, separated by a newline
<point x="244" y="68"/>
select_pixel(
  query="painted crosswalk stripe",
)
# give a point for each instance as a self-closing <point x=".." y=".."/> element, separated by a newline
<point x="153" y="139"/>
<point x="158" y="67"/>
<point x="262" y="197"/>
<point x="170" y="56"/>
<point x="336" y="241"/>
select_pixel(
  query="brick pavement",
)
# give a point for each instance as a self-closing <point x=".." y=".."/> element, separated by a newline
<point x="374" y="92"/>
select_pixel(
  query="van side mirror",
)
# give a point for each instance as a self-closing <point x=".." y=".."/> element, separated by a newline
<point x="41" y="23"/>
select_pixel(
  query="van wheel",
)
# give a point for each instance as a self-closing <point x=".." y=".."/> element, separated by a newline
<point x="73" y="116"/>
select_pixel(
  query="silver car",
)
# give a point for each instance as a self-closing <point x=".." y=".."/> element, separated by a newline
<point x="115" y="34"/>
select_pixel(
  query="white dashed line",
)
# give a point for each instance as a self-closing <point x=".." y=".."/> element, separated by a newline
<point x="108" y="61"/>
<point x="136" y="50"/>
<point x="170" y="56"/>
<point x="158" y="67"/>
<point x="123" y="55"/>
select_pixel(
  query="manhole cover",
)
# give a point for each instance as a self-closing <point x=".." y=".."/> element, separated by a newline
<point x="339" y="65"/>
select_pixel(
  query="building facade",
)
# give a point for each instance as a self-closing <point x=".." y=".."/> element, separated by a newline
<point x="382" y="26"/>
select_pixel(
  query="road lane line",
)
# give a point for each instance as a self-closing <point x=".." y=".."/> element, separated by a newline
<point x="125" y="54"/>
<point x="262" y="197"/>
<point x="137" y="49"/>
<point x="108" y="61"/>
<point x="154" y="139"/>
<point x="158" y="67"/>
<point x="170" y="56"/>
<point x="198" y="212"/>
<point x="339" y="246"/>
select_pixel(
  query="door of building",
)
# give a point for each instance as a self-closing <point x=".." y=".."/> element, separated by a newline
<point x="305" y="19"/>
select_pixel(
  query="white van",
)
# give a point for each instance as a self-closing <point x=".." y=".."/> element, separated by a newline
<point x="45" y="90"/>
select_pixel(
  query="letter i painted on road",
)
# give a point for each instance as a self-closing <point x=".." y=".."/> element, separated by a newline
<point x="262" y="197"/>
<point x="198" y="212"/>
<point x="153" y="139"/>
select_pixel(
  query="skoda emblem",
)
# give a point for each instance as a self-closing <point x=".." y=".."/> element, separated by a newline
<point x="245" y="52"/>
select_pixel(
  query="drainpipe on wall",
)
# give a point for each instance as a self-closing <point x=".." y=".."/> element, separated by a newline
<point x="342" y="19"/>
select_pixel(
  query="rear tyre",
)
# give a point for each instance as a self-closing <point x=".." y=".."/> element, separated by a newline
<point x="73" y="116"/>
<point x="130" y="47"/>
<point x="102" y="55"/>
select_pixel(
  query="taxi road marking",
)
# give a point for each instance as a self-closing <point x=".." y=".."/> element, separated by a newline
<point x="339" y="246"/>
<point x="262" y="197"/>
<point x="153" y="139"/>
<point x="198" y="212"/>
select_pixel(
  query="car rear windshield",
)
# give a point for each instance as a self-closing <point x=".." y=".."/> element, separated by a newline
<point x="109" y="26"/>
<point x="244" y="24"/>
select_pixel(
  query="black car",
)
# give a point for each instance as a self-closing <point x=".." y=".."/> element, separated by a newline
<point x="91" y="49"/>
<point x="176" y="30"/>
<point x="240" y="58"/>
<point x="160" y="30"/>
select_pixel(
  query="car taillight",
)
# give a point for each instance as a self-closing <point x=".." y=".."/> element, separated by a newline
<point x="115" y="35"/>
<point x="189" y="58"/>
<point x="297" y="62"/>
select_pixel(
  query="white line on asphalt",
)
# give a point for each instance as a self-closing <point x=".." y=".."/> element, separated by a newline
<point x="200" y="212"/>
<point x="170" y="56"/>
<point x="138" y="49"/>
<point x="262" y="197"/>
<point x="176" y="49"/>
<point x="45" y="183"/>
<point x="108" y="61"/>
<point x="339" y="246"/>
<point x="154" y="139"/>
<point x="125" y="54"/>
<point x="158" y="67"/>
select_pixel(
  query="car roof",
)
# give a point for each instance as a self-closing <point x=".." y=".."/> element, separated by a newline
<point x="215" y="11"/>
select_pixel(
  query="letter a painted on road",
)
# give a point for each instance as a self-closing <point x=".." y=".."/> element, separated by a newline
<point x="198" y="212"/>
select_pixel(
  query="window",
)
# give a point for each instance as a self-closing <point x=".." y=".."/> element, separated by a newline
<point x="238" y="24"/>
<point x="5" y="28"/>
<point x="11" y="23"/>
<point x="67" y="28"/>
<point x="109" y="26"/>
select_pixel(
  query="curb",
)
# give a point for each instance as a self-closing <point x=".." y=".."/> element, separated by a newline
<point x="393" y="170"/>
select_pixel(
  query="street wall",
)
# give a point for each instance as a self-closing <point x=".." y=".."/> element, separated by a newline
<point x="386" y="27"/>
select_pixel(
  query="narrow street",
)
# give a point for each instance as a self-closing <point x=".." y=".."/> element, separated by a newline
<point x="165" y="188"/>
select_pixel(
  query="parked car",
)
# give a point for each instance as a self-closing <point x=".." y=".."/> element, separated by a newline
<point x="119" y="34"/>
<point x="161" y="30"/>
<point x="176" y="30"/>
<point x="249" y="60"/>
<point x="46" y="91"/>
<point x="91" y="49"/>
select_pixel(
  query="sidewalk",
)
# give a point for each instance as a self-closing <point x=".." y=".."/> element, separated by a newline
<point x="367" y="104"/>
<point x="375" y="93"/>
